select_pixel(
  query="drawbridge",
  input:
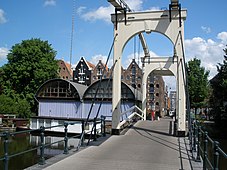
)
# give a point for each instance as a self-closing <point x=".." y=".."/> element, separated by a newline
<point x="169" y="23"/>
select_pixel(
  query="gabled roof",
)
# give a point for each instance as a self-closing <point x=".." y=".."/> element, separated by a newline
<point x="67" y="66"/>
<point x="104" y="65"/>
<point x="90" y="65"/>
<point x="133" y="61"/>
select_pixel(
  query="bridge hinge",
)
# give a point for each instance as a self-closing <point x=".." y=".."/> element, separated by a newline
<point x="125" y="14"/>
<point x="175" y="6"/>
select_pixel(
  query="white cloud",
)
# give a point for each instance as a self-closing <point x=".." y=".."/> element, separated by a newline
<point x="103" y="12"/>
<point x="206" y="29"/>
<point x="95" y="59"/>
<point x="2" y="17"/>
<point x="155" y="8"/>
<point x="50" y="3"/>
<point x="209" y="51"/>
<point x="3" y="53"/>
<point x="223" y="37"/>
<point x="80" y="10"/>
<point x="135" y="5"/>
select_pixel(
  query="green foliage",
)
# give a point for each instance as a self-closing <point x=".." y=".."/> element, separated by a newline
<point x="219" y="96"/>
<point x="17" y="106"/>
<point x="30" y="63"/>
<point x="197" y="83"/>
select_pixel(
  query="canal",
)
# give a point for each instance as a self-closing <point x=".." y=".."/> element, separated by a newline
<point x="22" y="142"/>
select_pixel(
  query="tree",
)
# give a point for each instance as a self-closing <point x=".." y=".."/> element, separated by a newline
<point x="17" y="106"/>
<point x="30" y="63"/>
<point x="198" y="84"/>
<point x="219" y="91"/>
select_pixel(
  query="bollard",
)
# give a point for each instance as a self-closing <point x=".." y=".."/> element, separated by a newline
<point x="6" y="150"/>
<point x="95" y="137"/>
<point x="82" y="133"/>
<point x="104" y="126"/>
<point x="216" y="155"/>
<point x="205" y="142"/>
<point x="66" y="150"/>
<point x="194" y="137"/>
<point x="198" y="144"/>
<point x="42" y="147"/>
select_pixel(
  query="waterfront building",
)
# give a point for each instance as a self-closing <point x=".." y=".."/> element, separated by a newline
<point x="82" y="74"/>
<point x="65" y="71"/>
<point x="100" y="70"/>
<point x="172" y="97"/>
<point x="132" y="76"/>
<point x="63" y="100"/>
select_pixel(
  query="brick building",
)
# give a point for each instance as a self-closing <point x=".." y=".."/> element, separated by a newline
<point x="87" y="73"/>
<point x="65" y="71"/>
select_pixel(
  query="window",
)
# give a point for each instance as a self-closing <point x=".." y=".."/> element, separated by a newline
<point x="157" y="85"/>
<point x="99" y="71"/>
<point x="133" y="70"/>
<point x="134" y="85"/>
<point x="157" y="104"/>
<point x="157" y="94"/>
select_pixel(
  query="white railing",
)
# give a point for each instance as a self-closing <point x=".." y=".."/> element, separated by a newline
<point x="134" y="113"/>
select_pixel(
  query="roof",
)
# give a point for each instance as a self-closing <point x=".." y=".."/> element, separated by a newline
<point x="135" y="94"/>
<point x="90" y="65"/>
<point x="69" y="68"/>
<point x="104" y="65"/>
<point x="80" y="89"/>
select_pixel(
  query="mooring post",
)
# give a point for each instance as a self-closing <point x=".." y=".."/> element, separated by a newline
<point x="216" y="155"/>
<point x="205" y="142"/>
<point x="42" y="147"/>
<point x="66" y="150"/>
<point x="103" y="125"/>
<point x="95" y="131"/>
<point x="6" y="150"/>
<point x="198" y="144"/>
<point x="83" y="132"/>
<point x="194" y="137"/>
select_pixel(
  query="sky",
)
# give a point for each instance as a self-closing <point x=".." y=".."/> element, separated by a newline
<point x="51" y="20"/>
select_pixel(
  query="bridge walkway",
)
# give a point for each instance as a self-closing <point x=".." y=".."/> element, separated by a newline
<point x="146" y="146"/>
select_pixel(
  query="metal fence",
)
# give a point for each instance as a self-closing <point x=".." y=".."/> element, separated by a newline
<point x="92" y="134"/>
<point x="205" y="148"/>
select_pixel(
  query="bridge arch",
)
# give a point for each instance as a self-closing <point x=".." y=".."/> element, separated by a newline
<point x="156" y="21"/>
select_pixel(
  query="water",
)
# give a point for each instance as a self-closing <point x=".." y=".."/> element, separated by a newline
<point x="23" y="142"/>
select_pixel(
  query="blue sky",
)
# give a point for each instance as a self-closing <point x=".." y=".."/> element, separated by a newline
<point x="51" y="20"/>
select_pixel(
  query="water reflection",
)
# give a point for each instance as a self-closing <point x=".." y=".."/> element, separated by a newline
<point x="22" y="142"/>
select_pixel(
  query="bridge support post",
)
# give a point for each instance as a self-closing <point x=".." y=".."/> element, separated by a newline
<point x="116" y="100"/>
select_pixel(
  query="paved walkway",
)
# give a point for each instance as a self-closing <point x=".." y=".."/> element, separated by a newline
<point x="146" y="146"/>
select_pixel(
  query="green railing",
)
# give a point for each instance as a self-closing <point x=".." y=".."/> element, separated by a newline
<point x="93" y="134"/>
<point x="205" y="148"/>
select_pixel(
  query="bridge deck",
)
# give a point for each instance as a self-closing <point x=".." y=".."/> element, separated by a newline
<point x="147" y="145"/>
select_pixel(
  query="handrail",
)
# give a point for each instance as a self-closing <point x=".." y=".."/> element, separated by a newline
<point x="43" y="145"/>
<point x="132" y="108"/>
<point x="199" y="144"/>
<point x="131" y="115"/>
